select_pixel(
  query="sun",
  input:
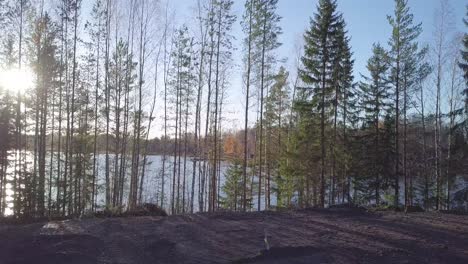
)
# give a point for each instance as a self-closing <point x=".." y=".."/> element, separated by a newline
<point x="16" y="80"/>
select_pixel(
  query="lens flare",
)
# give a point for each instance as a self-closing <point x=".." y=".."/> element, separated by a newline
<point x="16" y="80"/>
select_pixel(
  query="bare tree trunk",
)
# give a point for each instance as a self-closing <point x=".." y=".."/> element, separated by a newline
<point x="137" y="143"/>
<point x="437" y="131"/>
<point x="185" y="142"/>
<point x="165" y="141"/>
<point x="179" y="146"/>
<point x="215" y="133"/>
<point x="67" y="136"/>
<point x="207" y="121"/>
<point x="197" y="137"/>
<point x="262" y="86"/>
<point x="51" y="165"/>
<point x="107" y="104"/>
<point x="150" y="118"/>
<point x="117" y="99"/>
<point x="246" y="121"/>
<point x="442" y="29"/>
<point x="173" y="204"/>
<point x="75" y="40"/>
<point x="451" y="128"/>
<point x="96" y="103"/>
<point x="322" y="137"/>
<point x="397" y="130"/>
<point x="405" y="136"/>
<point x="333" y="146"/>
<point x="128" y="76"/>
<point x="424" y="152"/>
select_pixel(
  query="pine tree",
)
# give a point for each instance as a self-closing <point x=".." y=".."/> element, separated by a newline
<point x="45" y="65"/>
<point x="122" y="79"/>
<point x="182" y="81"/>
<point x="75" y="8"/>
<point x="7" y="133"/>
<point x="247" y="24"/>
<point x="166" y="70"/>
<point x="8" y="53"/>
<point x="266" y="31"/>
<point x="96" y="27"/>
<point x="404" y="54"/>
<point x="223" y="21"/>
<point x="201" y="55"/>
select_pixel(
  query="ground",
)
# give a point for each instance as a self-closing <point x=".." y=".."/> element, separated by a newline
<point x="302" y="236"/>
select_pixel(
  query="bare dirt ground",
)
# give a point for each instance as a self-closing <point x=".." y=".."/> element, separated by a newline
<point x="303" y="236"/>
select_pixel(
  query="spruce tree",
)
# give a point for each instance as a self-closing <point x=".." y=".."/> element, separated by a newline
<point x="343" y="109"/>
<point x="464" y="62"/>
<point x="233" y="186"/>
<point x="320" y="56"/>
<point x="404" y="53"/>
<point x="375" y="102"/>
<point x="276" y="105"/>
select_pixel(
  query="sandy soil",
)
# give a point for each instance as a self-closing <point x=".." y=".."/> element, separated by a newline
<point x="304" y="236"/>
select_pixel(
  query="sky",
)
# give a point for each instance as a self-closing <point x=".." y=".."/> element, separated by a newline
<point x="366" y="24"/>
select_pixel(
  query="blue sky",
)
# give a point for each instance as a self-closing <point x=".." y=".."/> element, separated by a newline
<point x="366" y="20"/>
<point x="366" y="23"/>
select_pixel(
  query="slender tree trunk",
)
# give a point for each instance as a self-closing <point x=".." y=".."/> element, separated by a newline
<point x="96" y="103"/>
<point x="198" y="111"/>
<point x="215" y="148"/>
<point x="377" y="146"/>
<point x="75" y="40"/>
<point x="451" y="128"/>
<point x="179" y="146"/>
<point x="51" y="164"/>
<point x="150" y="118"/>
<point x="397" y="130"/>
<point x="424" y="153"/>
<point x="322" y="136"/>
<point x="262" y="84"/>
<point x="335" y="140"/>
<point x="107" y="104"/>
<point x="128" y="77"/>
<point x="176" y="141"/>
<point x="67" y="136"/>
<point x="59" y="143"/>
<point x="246" y="121"/>
<point x="405" y="137"/>
<point x="185" y="143"/>
<point x="20" y="42"/>
<point x="207" y="121"/>
<point x="137" y="143"/>
<point x="165" y="141"/>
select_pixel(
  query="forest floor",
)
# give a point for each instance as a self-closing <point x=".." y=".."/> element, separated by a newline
<point x="300" y="236"/>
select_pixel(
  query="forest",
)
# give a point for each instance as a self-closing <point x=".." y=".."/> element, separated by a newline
<point x="95" y="93"/>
